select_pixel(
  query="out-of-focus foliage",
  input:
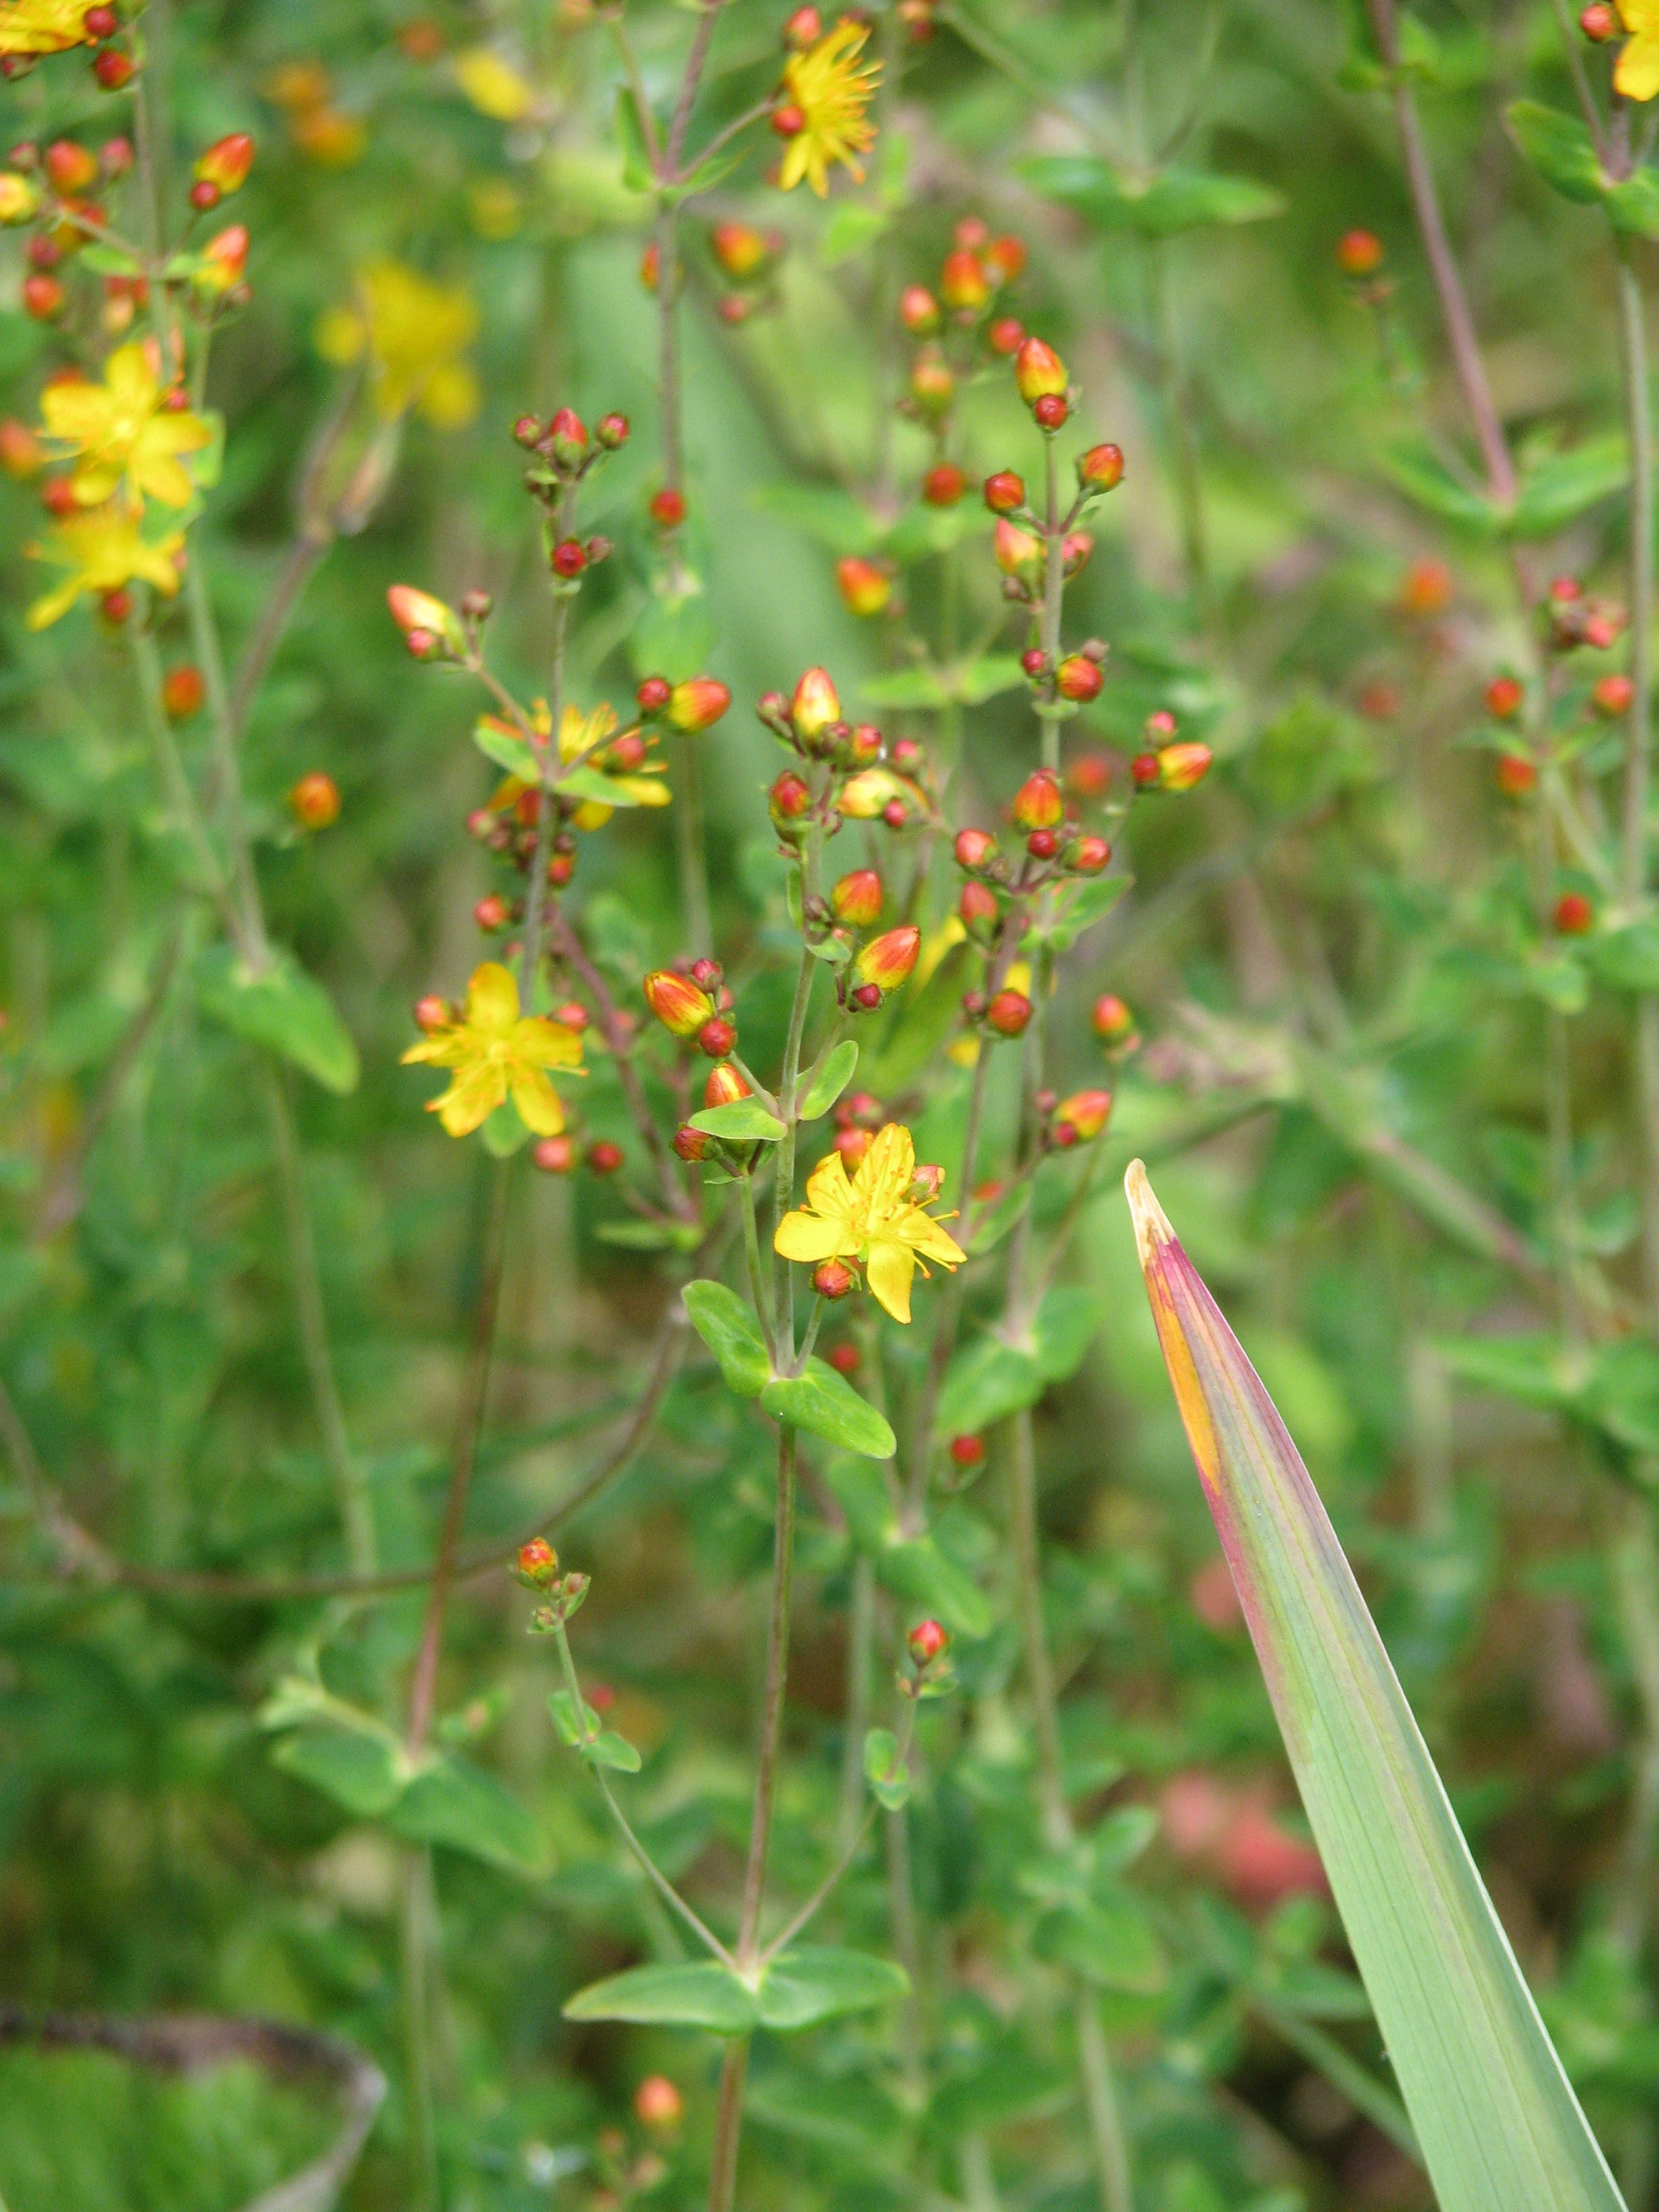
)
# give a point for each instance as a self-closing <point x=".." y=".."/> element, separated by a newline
<point x="1392" y="1088"/>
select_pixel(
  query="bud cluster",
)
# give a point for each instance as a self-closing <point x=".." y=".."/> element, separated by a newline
<point x="750" y="261"/>
<point x="563" y="451"/>
<point x="956" y="324"/>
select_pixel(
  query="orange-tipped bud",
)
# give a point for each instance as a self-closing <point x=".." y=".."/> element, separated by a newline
<point x="691" y="1144"/>
<point x="677" y="1002"/>
<point x="1087" y="1112"/>
<point x="182" y="691"/>
<point x="1600" y="22"/>
<point x="1088" y="856"/>
<point x="1180" y="767"/>
<point x="314" y="801"/>
<point x="539" y="1562"/>
<point x="803" y="29"/>
<point x="739" y="248"/>
<point x="226" y="163"/>
<point x="1611" y="696"/>
<point x="1426" y="588"/>
<point x="887" y="960"/>
<point x="833" y="1280"/>
<point x="962" y="283"/>
<point x="1004" y="491"/>
<point x="816" y="704"/>
<point x="657" y="2103"/>
<point x="725" y="1086"/>
<point x="1077" y="678"/>
<point x="20" y="452"/>
<point x="857" y="899"/>
<point x="927" y="1641"/>
<point x="697" y="704"/>
<point x="918" y="311"/>
<point x="1075" y="549"/>
<point x="789" y="799"/>
<point x="974" y="848"/>
<point x="1003" y="259"/>
<point x="1517" y="775"/>
<point x="932" y="386"/>
<point x="1102" y="468"/>
<point x="1575" y="915"/>
<point x="978" y="908"/>
<point x="1110" y="1018"/>
<point x="1039" y="372"/>
<point x="1008" y="1013"/>
<point x="224" y="259"/>
<point x="1359" y="254"/>
<point x="70" y="168"/>
<point x="864" y="585"/>
<point x="1505" y="697"/>
<point x="418" y="614"/>
<point x="1017" y="552"/>
<point x="944" y="484"/>
<point x="1039" y="803"/>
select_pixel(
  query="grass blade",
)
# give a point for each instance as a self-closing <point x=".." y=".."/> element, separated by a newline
<point x="1500" y="2126"/>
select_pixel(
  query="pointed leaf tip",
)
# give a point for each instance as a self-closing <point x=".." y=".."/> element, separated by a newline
<point x="1151" y="1223"/>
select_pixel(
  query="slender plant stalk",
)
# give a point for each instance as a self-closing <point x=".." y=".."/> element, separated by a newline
<point x="536" y="899"/>
<point x="728" y="2125"/>
<point x="860" y="1632"/>
<point x="692" y="846"/>
<point x="414" y="1951"/>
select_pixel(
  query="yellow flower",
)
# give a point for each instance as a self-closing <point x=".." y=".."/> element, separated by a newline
<point x="414" y="333"/>
<point x="495" y="88"/>
<point x="829" y="89"/>
<point x="495" y="1050"/>
<point x="1637" y="72"/>
<point x="635" y="778"/>
<point x="870" y="1217"/>
<point x="123" y="433"/>
<point x="43" y="26"/>
<point x="104" y="551"/>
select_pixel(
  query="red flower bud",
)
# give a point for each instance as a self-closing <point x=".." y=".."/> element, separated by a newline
<point x="1505" y="697"/>
<point x="1077" y="678"/>
<point x="1004" y="491"/>
<point x="42" y="296"/>
<point x="691" y="1144"/>
<point x="803" y="29"/>
<point x="1042" y="844"/>
<point x="789" y="798"/>
<point x="833" y="1280"/>
<point x="1039" y="372"/>
<point x="844" y="1359"/>
<point x="182" y="691"/>
<point x="886" y="961"/>
<point x="1086" y="1112"/>
<point x="113" y="69"/>
<point x="1359" y="254"/>
<point x="974" y="848"/>
<point x="864" y="585"/>
<point x="1075" y="550"/>
<point x="677" y="1003"/>
<point x="918" y="311"/>
<point x="555" y="1155"/>
<point x="944" y="485"/>
<point x="816" y="704"/>
<point x="315" y="800"/>
<point x="1050" y="412"/>
<point x="852" y="1144"/>
<point x="867" y="996"/>
<point x="224" y="260"/>
<point x="1039" y="803"/>
<point x="657" y="2103"/>
<point x="725" y="1086"/>
<point x="71" y="168"/>
<point x="1088" y="856"/>
<point x="1180" y="767"/>
<point x="668" y="508"/>
<point x="1613" y="694"/>
<point x="1005" y="258"/>
<point x="1575" y="915"/>
<point x="697" y="704"/>
<point x="856" y="899"/>
<point x="1110" y="1018"/>
<point x="962" y="283"/>
<point x="653" y="695"/>
<point x="568" y="558"/>
<point x="493" y="912"/>
<point x="968" y="1451"/>
<point x="716" y="1038"/>
<point x="1160" y="728"/>
<point x="1017" y="552"/>
<point x="1598" y="22"/>
<point x="1005" y="334"/>
<point x="978" y="907"/>
<point x="116" y="607"/>
<point x="572" y="1015"/>
<point x="539" y="1562"/>
<point x="1008" y="1013"/>
<point x="226" y="163"/>
<point x="927" y="1641"/>
<point x="101" y="22"/>
<point x="1143" y="768"/>
<point x="864" y="746"/>
<point x="604" y="1157"/>
<point x="611" y="431"/>
<point x="1102" y="468"/>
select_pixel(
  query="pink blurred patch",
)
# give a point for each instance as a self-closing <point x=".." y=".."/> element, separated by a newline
<point x="1230" y="1834"/>
<point x="1212" y="1597"/>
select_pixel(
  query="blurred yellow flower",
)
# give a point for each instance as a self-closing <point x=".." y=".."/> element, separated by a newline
<point x="43" y="26"/>
<point x="1636" y="71"/>
<point x="494" y="86"/>
<point x="830" y="90"/>
<point x="123" y="433"/>
<point x="103" y="551"/>
<point x="414" y="333"/>
<point x="496" y="1052"/>
<point x="872" y="1217"/>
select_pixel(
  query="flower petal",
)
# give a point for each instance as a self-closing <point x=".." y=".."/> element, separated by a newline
<point x="470" y="1099"/>
<point x="492" y="997"/>
<point x="537" y="1103"/>
<point x="810" y="1237"/>
<point x="891" y="1269"/>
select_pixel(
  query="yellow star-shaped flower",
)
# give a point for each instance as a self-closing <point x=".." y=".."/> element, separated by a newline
<point x="124" y="432"/>
<point x="496" y="1051"/>
<point x="43" y="26"/>
<point x="829" y="89"/>
<point x="1636" y="74"/>
<point x="871" y="1217"/>
<point x="103" y="551"/>
<point x="414" y="333"/>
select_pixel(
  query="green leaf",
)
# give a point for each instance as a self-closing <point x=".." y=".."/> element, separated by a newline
<point x="1425" y="477"/>
<point x="1558" y="146"/>
<point x="741" y="1121"/>
<point x="1156" y="206"/>
<point x="607" y="1748"/>
<point x="831" y="1079"/>
<point x="1089" y="904"/>
<point x="1064" y="1328"/>
<point x="648" y="1235"/>
<point x="673" y="637"/>
<point x="1559" y="489"/>
<point x="1627" y="959"/>
<point x="594" y="784"/>
<point x="815" y="1983"/>
<point x="508" y="751"/>
<point x="636" y="160"/>
<point x="704" y="1994"/>
<point x="574" y="1729"/>
<point x="1109" y="1940"/>
<point x="359" y="1767"/>
<point x="908" y="687"/>
<point x="986" y="1383"/>
<point x="885" y="1771"/>
<point x="1633" y="205"/>
<point x="993" y="1222"/>
<point x="836" y="519"/>
<point x="987" y="678"/>
<point x="914" y="1568"/>
<point x="283" y="1008"/>
<point x="1498" y="2121"/>
<point x="464" y="1807"/>
<point x="826" y="1404"/>
<point x="731" y="1333"/>
<point x="854" y="225"/>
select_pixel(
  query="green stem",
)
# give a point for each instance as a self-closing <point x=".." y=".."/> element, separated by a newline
<point x="416" y="1943"/>
<point x="1100" y="2100"/>
<point x="728" y="2125"/>
<point x="692" y="839"/>
<point x="756" y="1272"/>
<point x="861" y="1634"/>
<point x="535" y="907"/>
<point x="226" y="765"/>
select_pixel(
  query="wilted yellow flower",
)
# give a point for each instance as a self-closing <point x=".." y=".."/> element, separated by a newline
<point x="871" y="1217"/>
<point x="122" y="432"/>
<point x="1636" y="71"/>
<point x="495" y="1052"/>
<point x="414" y="333"/>
<point x="43" y="26"/>
<point x="829" y="89"/>
<point x="103" y="551"/>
